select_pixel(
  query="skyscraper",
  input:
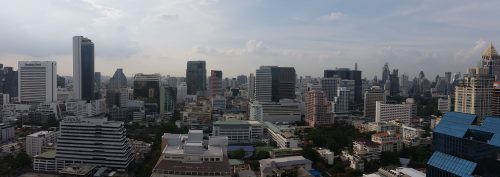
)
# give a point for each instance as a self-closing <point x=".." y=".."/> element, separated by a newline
<point x="491" y="61"/>
<point x="495" y="101"/>
<point x="347" y="74"/>
<point x="273" y="83"/>
<point x="97" y="85"/>
<point x="329" y="87"/>
<point x="118" y="80"/>
<point x="196" y="77"/>
<point x="37" y="81"/>
<point x="394" y="78"/>
<point x="386" y="73"/>
<point x="147" y="89"/>
<point x="251" y="87"/>
<point x="341" y="102"/>
<point x="473" y="94"/>
<point x="216" y="83"/>
<point x="83" y="68"/>
<point x="168" y="97"/>
<point x="373" y="95"/>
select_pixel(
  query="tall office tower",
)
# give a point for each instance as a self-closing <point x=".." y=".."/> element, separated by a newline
<point x="394" y="78"/>
<point x="350" y="86"/>
<point x="181" y="92"/>
<point x="341" y="102"/>
<point x="83" y="68"/>
<point x="402" y="113"/>
<point x="463" y="145"/>
<point x="118" y="80"/>
<point x="172" y="81"/>
<point x="240" y="80"/>
<point x="94" y="141"/>
<point x="216" y="83"/>
<point x="37" y="81"/>
<point x="317" y="109"/>
<point x="371" y="97"/>
<point x="61" y="82"/>
<point x="168" y="97"/>
<point x="491" y="61"/>
<point x="386" y="73"/>
<point x="8" y="81"/>
<point x="329" y="87"/>
<point x="347" y="74"/>
<point x="473" y="94"/>
<point x="97" y="85"/>
<point x="404" y="85"/>
<point x="273" y="83"/>
<point x="495" y="101"/>
<point x="251" y="87"/>
<point x="196" y="77"/>
<point x="147" y="89"/>
<point x="117" y="98"/>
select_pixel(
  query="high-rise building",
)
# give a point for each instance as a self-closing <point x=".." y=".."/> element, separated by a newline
<point x="8" y="81"/>
<point x="94" y="141"/>
<point x="394" y="78"/>
<point x="341" y="102"/>
<point x="216" y="83"/>
<point x="118" y="80"/>
<point x="240" y="80"/>
<point x="273" y="83"/>
<point x="465" y="145"/>
<point x="251" y="87"/>
<point x="37" y="81"/>
<point x="491" y="61"/>
<point x="404" y="85"/>
<point x="168" y="96"/>
<point x="97" y="85"/>
<point x="386" y="73"/>
<point x="181" y="92"/>
<point x="371" y="97"/>
<point x="83" y="68"/>
<point x="495" y="101"/>
<point x="329" y="87"/>
<point x="317" y="109"/>
<point x="473" y="94"/>
<point x="196" y="77"/>
<point x="147" y="89"/>
<point x="348" y="74"/>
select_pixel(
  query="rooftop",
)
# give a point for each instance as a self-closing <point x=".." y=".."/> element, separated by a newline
<point x="490" y="50"/>
<point x="47" y="155"/>
<point x="79" y="169"/>
<point x="40" y="133"/>
<point x="205" y="167"/>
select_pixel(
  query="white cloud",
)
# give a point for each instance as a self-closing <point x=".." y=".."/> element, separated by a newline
<point x="332" y="16"/>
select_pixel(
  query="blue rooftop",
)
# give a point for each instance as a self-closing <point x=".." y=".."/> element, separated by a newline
<point x="452" y="164"/>
<point x="245" y="148"/>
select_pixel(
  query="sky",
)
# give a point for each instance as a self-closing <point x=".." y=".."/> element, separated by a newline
<point x="238" y="36"/>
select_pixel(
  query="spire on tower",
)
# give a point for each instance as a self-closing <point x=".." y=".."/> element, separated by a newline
<point x="490" y="51"/>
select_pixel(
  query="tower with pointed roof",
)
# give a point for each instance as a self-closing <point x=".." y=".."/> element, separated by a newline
<point x="491" y="61"/>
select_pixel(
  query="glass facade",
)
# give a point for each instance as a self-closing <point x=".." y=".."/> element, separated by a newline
<point x="87" y="82"/>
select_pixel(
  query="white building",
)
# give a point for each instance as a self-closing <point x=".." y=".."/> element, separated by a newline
<point x="389" y="142"/>
<point x="95" y="141"/>
<point x="37" y="81"/>
<point x="444" y="104"/>
<point x="398" y="112"/>
<point x="411" y="136"/>
<point x="474" y="93"/>
<point x="263" y="84"/>
<point x="36" y="142"/>
<point x="186" y="155"/>
<point x="283" y="135"/>
<point x="270" y="167"/>
<point x="383" y="126"/>
<point x="284" y="111"/>
<point x="239" y="131"/>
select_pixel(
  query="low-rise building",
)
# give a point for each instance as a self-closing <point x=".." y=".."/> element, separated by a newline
<point x="239" y="131"/>
<point x="284" y="111"/>
<point x="6" y="132"/>
<point x="383" y="126"/>
<point x="270" y="167"/>
<point x="283" y="135"/>
<point x="366" y="149"/>
<point x="411" y="136"/>
<point x="36" y="142"/>
<point x="389" y="142"/>
<point x="402" y="113"/>
<point x="326" y="154"/>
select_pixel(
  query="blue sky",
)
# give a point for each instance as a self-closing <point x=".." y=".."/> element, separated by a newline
<point x="237" y="36"/>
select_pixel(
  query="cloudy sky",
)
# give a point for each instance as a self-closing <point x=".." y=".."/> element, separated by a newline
<point x="237" y="36"/>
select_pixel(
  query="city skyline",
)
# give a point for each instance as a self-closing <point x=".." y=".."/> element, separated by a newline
<point x="232" y="37"/>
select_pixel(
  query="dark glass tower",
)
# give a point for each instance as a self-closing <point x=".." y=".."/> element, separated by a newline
<point x="196" y="77"/>
<point x="83" y="68"/>
<point x="347" y="74"/>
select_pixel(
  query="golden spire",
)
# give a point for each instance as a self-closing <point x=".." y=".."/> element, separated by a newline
<point x="490" y="51"/>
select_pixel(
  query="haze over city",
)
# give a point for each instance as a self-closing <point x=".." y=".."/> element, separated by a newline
<point x="240" y="36"/>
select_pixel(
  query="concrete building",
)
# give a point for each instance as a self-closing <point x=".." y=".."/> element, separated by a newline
<point x="383" y="126"/>
<point x="402" y="113"/>
<point x="147" y="89"/>
<point x="83" y="108"/>
<point x="317" y="109"/>
<point x="371" y="97"/>
<point x="274" y="83"/>
<point x="389" y="142"/>
<point x="239" y="131"/>
<point x="37" y="81"/>
<point x="341" y="102"/>
<point x="36" y="142"/>
<point x="277" y="166"/>
<point x="283" y="111"/>
<point x="118" y="81"/>
<point x="444" y="104"/>
<point x="329" y="87"/>
<point x="251" y="87"/>
<point x="95" y="141"/>
<point x="185" y="155"/>
<point x="181" y="92"/>
<point x="411" y="135"/>
<point x="495" y="100"/>
<point x="168" y="96"/>
<point x="83" y="68"/>
<point x="6" y="132"/>
<point x="283" y="135"/>
<point x="218" y="102"/>
<point x="348" y="74"/>
<point x="216" y="83"/>
<point x="491" y="61"/>
<point x="326" y="154"/>
<point x="474" y="93"/>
